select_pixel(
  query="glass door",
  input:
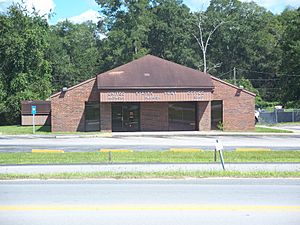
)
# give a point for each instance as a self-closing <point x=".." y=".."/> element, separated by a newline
<point x="125" y="117"/>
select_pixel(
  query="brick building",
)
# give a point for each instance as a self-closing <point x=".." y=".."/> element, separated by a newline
<point x="152" y="94"/>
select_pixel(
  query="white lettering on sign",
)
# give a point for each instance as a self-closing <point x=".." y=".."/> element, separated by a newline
<point x="116" y="95"/>
<point x="170" y="93"/>
<point x="148" y="95"/>
<point x="197" y="95"/>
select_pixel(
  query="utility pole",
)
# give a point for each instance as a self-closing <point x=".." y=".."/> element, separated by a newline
<point x="234" y="76"/>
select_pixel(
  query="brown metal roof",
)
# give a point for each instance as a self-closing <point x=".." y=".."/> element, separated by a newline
<point x="153" y="73"/>
<point x="42" y="107"/>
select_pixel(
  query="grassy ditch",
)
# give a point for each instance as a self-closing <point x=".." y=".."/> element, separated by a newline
<point x="146" y="157"/>
<point x="149" y="175"/>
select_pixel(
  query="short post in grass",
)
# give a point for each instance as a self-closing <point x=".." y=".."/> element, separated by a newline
<point x="219" y="147"/>
<point x="109" y="156"/>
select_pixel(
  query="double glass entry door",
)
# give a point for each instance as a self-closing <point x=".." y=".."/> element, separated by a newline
<point x="125" y="116"/>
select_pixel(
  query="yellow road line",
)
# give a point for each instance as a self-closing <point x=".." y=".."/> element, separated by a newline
<point x="266" y="208"/>
<point x="253" y="150"/>
<point x="104" y="135"/>
<point x="47" y="151"/>
<point x="185" y="150"/>
<point x="115" y="150"/>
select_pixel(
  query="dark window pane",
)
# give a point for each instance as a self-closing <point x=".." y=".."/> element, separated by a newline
<point x="216" y="114"/>
<point x="182" y="116"/>
<point x="92" y="116"/>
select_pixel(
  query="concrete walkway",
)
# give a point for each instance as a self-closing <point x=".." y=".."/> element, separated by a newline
<point x="243" y="167"/>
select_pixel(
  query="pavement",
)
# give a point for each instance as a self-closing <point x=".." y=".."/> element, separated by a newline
<point x="296" y="132"/>
<point x="152" y="142"/>
<point x="151" y="202"/>
<point x="149" y="167"/>
<point x="290" y="127"/>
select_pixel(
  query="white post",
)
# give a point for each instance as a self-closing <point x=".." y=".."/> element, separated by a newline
<point x="33" y="125"/>
<point x="293" y="115"/>
<point x="219" y="147"/>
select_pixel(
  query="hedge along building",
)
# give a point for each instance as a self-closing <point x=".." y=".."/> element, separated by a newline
<point x="152" y="94"/>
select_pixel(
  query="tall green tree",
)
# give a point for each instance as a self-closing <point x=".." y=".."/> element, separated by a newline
<point x="74" y="56"/>
<point x="169" y="34"/>
<point x="127" y="25"/>
<point x="24" y="72"/>
<point x="290" y="60"/>
<point x="136" y="28"/>
<point x="249" y="42"/>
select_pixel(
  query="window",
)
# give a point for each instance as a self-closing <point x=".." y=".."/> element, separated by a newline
<point x="92" y="116"/>
<point x="216" y="114"/>
<point x="182" y="116"/>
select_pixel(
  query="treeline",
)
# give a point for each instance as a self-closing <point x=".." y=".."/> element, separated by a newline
<point x="240" y="42"/>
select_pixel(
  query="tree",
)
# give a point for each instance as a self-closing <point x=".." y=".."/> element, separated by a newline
<point x="249" y="42"/>
<point x="24" y="72"/>
<point x="126" y="25"/>
<point x="203" y="36"/>
<point x="169" y="36"/>
<point x="74" y="55"/>
<point x="290" y="65"/>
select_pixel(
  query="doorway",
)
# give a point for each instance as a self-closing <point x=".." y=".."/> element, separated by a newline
<point x="125" y="117"/>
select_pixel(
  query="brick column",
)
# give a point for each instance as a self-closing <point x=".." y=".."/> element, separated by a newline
<point x="105" y="117"/>
<point x="204" y="116"/>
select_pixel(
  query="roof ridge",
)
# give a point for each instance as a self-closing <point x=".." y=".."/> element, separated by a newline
<point x="72" y="87"/>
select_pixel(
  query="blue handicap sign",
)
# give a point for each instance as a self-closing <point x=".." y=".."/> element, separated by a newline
<point x="33" y="109"/>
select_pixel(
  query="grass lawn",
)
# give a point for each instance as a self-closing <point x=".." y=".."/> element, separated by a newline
<point x="270" y="130"/>
<point x="146" y="157"/>
<point x="17" y="129"/>
<point x="148" y="175"/>
<point x="286" y="123"/>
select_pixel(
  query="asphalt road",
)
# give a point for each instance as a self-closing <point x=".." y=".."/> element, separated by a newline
<point x="174" y="202"/>
<point x="25" y="144"/>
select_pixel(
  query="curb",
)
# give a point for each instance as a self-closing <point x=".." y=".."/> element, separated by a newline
<point x="118" y="135"/>
<point x="48" y="169"/>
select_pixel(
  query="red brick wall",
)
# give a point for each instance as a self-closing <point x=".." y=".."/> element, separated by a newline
<point x="67" y="113"/>
<point x="154" y="116"/>
<point x="203" y="116"/>
<point x="238" y="110"/>
<point x="105" y="117"/>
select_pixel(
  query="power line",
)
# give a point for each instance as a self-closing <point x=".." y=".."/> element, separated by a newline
<point x="266" y="88"/>
<point x="258" y="79"/>
<point x="224" y="73"/>
<point x="277" y="74"/>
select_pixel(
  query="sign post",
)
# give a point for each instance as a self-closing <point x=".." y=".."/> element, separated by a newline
<point x="219" y="147"/>
<point x="33" y="112"/>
